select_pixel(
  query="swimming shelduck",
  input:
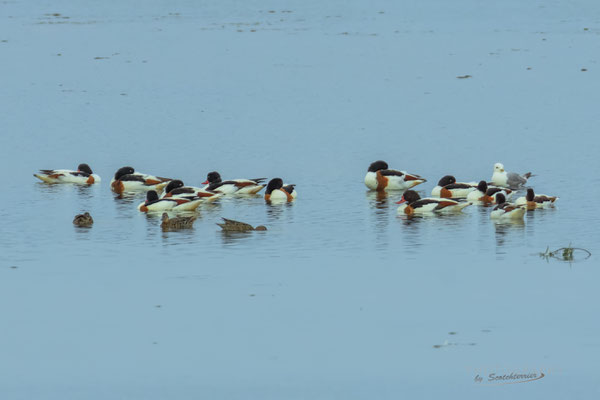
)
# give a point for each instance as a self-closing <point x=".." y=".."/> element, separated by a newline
<point x="278" y="192"/>
<point x="176" y="189"/>
<point x="83" y="175"/>
<point x="380" y="178"/>
<point x="127" y="180"/>
<point x="233" y="186"/>
<point x="411" y="203"/>
<point x="508" y="179"/>
<point x="153" y="203"/>
<point x="533" y="201"/>
<point x="448" y="188"/>
<point x="484" y="194"/>
<point x="507" y="211"/>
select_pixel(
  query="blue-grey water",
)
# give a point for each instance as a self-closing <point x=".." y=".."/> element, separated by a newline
<point x="340" y="298"/>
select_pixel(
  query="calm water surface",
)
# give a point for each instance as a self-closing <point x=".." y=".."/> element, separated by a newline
<point x="340" y="298"/>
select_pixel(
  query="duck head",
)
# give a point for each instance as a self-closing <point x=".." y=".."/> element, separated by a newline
<point x="274" y="184"/>
<point x="212" y="177"/>
<point x="84" y="168"/>
<point x="409" y="196"/>
<point x="447" y="180"/>
<point x="151" y="196"/>
<point x="377" y="165"/>
<point x="530" y="195"/>
<point x="123" y="171"/>
<point x="174" y="184"/>
<point x="482" y="186"/>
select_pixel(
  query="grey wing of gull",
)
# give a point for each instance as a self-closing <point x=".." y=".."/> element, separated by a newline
<point x="515" y="180"/>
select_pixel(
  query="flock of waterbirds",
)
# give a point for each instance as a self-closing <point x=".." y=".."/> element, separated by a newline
<point x="449" y="196"/>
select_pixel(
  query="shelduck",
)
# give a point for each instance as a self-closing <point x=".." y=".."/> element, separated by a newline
<point x="447" y="187"/>
<point x="233" y="186"/>
<point x="278" y="192"/>
<point x="83" y="175"/>
<point x="176" y="189"/>
<point x="411" y="204"/>
<point x="484" y="194"/>
<point x="507" y="211"/>
<point x="380" y="178"/>
<point x="153" y="203"/>
<point x="127" y="180"/>
<point x="533" y="201"/>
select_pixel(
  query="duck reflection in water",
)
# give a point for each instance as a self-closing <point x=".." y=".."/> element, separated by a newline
<point x="124" y="203"/>
<point x="379" y="203"/>
<point x="506" y="232"/>
<point x="85" y="191"/>
<point x="231" y="237"/>
<point x="276" y="210"/>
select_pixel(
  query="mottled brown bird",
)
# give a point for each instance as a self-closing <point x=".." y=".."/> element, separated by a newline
<point x="84" y="219"/>
<point x="236" y="226"/>
<point x="176" y="223"/>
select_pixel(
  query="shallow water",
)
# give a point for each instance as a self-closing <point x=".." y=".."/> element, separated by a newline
<point x="340" y="298"/>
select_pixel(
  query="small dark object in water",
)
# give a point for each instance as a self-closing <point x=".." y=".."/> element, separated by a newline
<point x="176" y="223"/>
<point x="236" y="226"/>
<point x="84" y="219"/>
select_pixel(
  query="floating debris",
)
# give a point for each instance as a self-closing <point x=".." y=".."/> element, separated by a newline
<point x="447" y="344"/>
<point x="565" y="253"/>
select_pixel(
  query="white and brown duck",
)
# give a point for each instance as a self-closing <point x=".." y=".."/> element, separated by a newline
<point x="379" y="177"/>
<point x="214" y="183"/>
<point x="533" y="201"/>
<point x="412" y="204"/>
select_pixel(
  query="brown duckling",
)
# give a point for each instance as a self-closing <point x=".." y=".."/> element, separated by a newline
<point x="236" y="226"/>
<point x="176" y="223"/>
<point x="84" y="219"/>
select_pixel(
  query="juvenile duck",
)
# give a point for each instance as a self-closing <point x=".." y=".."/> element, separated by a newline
<point x="176" y="223"/>
<point x="236" y="226"/>
<point x="84" y="219"/>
